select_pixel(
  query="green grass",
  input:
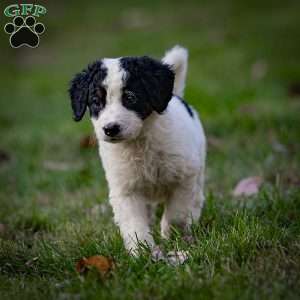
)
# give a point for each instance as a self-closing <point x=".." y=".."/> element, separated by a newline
<point x="244" y="248"/>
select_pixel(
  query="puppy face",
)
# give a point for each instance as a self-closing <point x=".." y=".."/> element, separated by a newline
<point x="120" y="94"/>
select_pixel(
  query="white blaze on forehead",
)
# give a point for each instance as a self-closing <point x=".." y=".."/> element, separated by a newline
<point x="113" y="81"/>
<point x="114" y="111"/>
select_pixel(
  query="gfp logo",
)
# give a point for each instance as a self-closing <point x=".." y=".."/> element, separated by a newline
<point x="24" y="30"/>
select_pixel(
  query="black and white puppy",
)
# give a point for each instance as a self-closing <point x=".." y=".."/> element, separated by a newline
<point x="151" y="142"/>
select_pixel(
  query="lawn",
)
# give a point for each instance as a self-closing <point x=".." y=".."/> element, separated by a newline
<point x="244" y="79"/>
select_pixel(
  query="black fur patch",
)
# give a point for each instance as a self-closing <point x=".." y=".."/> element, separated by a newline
<point x="187" y="107"/>
<point x="148" y="85"/>
<point x="86" y="91"/>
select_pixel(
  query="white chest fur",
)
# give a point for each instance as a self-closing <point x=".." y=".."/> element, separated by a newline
<point x="171" y="148"/>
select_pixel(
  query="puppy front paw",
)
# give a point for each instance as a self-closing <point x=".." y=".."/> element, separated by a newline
<point x="178" y="257"/>
<point x="157" y="254"/>
<point x="173" y="258"/>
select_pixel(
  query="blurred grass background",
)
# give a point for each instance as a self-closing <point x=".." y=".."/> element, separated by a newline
<point x="243" y="78"/>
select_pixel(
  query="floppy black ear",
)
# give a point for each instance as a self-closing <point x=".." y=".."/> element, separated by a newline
<point x="79" y="93"/>
<point x="80" y="85"/>
<point x="158" y="80"/>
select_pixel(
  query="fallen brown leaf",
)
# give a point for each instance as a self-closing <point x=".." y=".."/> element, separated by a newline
<point x="101" y="263"/>
<point x="88" y="141"/>
<point x="248" y="186"/>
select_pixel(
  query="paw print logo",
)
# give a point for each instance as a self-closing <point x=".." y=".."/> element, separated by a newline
<point x="24" y="32"/>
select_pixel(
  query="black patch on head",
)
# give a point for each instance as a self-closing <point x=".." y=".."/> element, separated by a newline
<point x="148" y="85"/>
<point x="86" y="90"/>
<point x="187" y="107"/>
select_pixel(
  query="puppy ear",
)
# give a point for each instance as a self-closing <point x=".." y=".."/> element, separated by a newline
<point x="79" y="93"/>
<point x="81" y="84"/>
<point x="158" y="81"/>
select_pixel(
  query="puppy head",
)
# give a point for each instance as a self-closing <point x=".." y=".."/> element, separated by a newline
<point x="120" y="94"/>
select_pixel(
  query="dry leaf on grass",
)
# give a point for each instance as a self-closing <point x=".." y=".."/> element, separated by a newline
<point x="88" y="141"/>
<point x="248" y="186"/>
<point x="101" y="263"/>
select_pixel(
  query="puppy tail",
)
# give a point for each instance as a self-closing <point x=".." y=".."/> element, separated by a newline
<point x="177" y="58"/>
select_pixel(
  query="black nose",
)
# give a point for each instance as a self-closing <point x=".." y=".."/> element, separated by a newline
<point x="112" y="129"/>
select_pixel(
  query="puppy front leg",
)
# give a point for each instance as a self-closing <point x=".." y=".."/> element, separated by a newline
<point x="131" y="215"/>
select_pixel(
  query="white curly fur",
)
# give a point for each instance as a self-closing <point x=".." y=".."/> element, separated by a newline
<point x="163" y="159"/>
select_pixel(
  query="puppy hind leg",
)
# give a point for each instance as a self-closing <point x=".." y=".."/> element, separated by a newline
<point x="184" y="207"/>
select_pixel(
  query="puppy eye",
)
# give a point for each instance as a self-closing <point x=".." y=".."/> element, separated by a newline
<point x="97" y="103"/>
<point x="95" y="100"/>
<point x="101" y="93"/>
<point x="130" y="97"/>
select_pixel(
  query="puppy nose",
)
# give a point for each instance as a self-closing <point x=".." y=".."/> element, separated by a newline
<point x="112" y="129"/>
